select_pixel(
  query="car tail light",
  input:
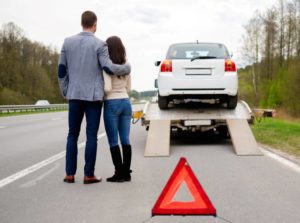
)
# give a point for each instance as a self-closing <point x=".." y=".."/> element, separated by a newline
<point x="166" y="66"/>
<point x="230" y="66"/>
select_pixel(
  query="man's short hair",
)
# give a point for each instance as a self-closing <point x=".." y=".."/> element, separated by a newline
<point x="88" y="18"/>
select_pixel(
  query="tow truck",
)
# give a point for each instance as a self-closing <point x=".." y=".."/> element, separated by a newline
<point x="233" y="123"/>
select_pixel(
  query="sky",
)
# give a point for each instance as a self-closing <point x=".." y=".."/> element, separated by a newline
<point x="147" y="28"/>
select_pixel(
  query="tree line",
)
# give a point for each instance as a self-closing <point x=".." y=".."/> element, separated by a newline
<point x="28" y="70"/>
<point x="271" y="48"/>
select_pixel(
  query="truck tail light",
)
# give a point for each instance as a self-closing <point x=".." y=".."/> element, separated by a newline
<point x="166" y="66"/>
<point x="230" y="66"/>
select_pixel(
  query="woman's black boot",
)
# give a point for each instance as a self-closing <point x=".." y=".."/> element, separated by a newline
<point x="126" y="162"/>
<point x="117" y="161"/>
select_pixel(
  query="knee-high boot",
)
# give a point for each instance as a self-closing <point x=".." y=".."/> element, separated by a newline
<point x="117" y="161"/>
<point x="126" y="162"/>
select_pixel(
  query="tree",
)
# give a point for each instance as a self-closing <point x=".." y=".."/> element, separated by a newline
<point x="291" y="29"/>
<point x="28" y="70"/>
<point x="270" y="31"/>
<point x="281" y="35"/>
<point x="251" y="49"/>
<point x="297" y="5"/>
<point x="273" y="76"/>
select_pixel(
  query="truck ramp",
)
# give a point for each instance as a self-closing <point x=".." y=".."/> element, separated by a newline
<point x="159" y="122"/>
<point x="242" y="138"/>
<point x="158" y="140"/>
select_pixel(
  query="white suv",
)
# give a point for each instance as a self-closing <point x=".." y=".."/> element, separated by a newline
<point x="197" y="71"/>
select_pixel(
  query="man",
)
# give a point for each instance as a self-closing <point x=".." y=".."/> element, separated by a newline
<point x="82" y="60"/>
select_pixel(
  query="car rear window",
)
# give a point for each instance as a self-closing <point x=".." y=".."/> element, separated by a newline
<point x="191" y="50"/>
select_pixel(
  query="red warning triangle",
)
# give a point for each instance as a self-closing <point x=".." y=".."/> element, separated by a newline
<point x="201" y="205"/>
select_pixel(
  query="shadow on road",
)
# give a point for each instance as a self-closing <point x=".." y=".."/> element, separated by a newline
<point x="198" y="138"/>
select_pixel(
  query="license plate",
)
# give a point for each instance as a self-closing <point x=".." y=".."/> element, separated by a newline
<point x="197" y="122"/>
<point x="198" y="71"/>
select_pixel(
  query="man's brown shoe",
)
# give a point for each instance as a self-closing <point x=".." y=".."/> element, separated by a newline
<point x="69" y="179"/>
<point x="91" y="180"/>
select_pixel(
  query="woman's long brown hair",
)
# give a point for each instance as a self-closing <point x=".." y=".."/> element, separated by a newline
<point x="116" y="50"/>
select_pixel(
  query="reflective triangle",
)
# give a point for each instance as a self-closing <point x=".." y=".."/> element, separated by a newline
<point x="200" y="205"/>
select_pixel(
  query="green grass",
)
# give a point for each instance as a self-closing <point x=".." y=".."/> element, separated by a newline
<point x="29" y="112"/>
<point x="279" y="134"/>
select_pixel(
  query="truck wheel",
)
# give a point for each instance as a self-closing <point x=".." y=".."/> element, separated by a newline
<point x="163" y="102"/>
<point x="232" y="101"/>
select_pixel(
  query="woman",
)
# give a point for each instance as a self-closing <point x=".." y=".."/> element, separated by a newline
<point x="117" y="113"/>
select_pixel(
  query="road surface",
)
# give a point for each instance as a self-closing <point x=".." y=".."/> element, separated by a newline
<point x="242" y="189"/>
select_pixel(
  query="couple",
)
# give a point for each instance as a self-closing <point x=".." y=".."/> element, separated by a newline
<point x="86" y="64"/>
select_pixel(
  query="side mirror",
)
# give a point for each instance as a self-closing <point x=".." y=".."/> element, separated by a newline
<point x="155" y="83"/>
<point x="157" y="63"/>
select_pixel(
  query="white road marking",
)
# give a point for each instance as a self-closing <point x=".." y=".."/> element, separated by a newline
<point x="2" y="127"/>
<point x="282" y="160"/>
<point x="38" y="166"/>
<point x="33" y="182"/>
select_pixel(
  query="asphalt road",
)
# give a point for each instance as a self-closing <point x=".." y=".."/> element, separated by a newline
<point x="242" y="189"/>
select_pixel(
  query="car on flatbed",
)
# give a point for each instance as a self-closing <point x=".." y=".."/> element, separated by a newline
<point x="197" y="71"/>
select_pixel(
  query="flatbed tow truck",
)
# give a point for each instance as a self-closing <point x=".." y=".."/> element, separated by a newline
<point x="160" y="123"/>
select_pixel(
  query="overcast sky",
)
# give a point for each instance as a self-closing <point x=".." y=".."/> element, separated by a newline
<point x="147" y="28"/>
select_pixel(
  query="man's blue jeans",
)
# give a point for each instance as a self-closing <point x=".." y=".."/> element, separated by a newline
<point x="117" y="118"/>
<point x="92" y="112"/>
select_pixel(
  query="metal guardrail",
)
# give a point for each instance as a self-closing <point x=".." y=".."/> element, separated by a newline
<point x="4" y="109"/>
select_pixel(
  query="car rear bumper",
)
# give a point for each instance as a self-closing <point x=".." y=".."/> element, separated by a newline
<point x="205" y="94"/>
<point x="168" y="85"/>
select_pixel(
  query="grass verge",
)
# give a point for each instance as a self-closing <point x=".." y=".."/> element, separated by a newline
<point x="279" y="134"/>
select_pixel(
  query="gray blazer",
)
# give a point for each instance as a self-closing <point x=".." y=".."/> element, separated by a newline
<point x="83" y="58"/>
